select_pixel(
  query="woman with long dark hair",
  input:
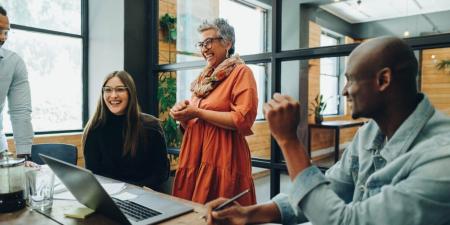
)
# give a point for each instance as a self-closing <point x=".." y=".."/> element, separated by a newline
<point x="120" y="141"/>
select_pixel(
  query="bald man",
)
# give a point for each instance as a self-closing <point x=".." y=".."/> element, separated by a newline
<point x="395" y="171"/>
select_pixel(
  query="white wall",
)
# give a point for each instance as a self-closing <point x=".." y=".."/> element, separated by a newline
<point x="106" y="44"/>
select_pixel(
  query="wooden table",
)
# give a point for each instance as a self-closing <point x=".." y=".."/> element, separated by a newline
<point x="56" y="215"/>
<point x="336" y="125"/>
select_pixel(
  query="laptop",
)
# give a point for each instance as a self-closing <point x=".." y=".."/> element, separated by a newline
<point x="147" y="208"/>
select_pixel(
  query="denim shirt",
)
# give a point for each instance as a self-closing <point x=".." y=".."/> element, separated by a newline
<point x="403" y="181"/>
<point x="14" y="85"/>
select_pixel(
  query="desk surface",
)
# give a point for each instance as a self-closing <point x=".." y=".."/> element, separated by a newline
<point x="56" y="216"/>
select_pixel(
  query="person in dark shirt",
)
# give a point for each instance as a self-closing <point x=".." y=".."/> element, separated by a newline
<point x="120" y="141"/>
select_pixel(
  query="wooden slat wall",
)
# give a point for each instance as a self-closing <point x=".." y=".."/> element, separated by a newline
<point x="259" y="142"/>
<point x="435" y="83"/>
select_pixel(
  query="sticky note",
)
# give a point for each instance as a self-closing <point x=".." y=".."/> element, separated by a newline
<point x="79" y="213"/>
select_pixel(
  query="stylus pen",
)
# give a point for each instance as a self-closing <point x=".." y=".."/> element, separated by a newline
<point x="231" y="200"/>
<point x="228" y="202"/>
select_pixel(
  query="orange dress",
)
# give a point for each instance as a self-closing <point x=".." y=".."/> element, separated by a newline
<point x="215" y="162"/>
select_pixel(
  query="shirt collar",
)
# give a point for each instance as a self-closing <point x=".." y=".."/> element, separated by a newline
<point x="405" y="134"/>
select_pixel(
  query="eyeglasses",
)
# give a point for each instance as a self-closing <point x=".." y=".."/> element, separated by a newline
<point x="119" y="90"/>
<point x="207" y="43"/>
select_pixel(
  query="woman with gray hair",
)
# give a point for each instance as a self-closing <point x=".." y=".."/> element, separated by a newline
<point x="215" y="158"/>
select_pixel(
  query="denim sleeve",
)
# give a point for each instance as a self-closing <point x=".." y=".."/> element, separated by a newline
<point x="19" y="102"/>
<point x="420" y="198"/>
<point x="340" y="175"/>
<point x="304" y="183"/>
<point x="289" y="214"/>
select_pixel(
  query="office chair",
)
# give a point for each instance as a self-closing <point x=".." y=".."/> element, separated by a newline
<point x="65" y="152"/>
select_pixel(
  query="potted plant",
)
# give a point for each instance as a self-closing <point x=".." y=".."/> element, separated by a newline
<point x="317" y="108"/>
<point x="443" y="65"/>
<point x="168" y="26"/>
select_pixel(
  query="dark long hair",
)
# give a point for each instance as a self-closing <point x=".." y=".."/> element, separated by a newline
<point x="133" y="128"/>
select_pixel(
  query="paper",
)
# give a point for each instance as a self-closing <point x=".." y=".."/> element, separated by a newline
<point x="58" y="186"/>
<point x="110" y="188"/>
<point x="79" y="213"/>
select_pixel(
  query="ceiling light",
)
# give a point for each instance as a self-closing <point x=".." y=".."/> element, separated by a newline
<point x="336" y="0"/>
<point x="433" y="56"/>
<point x="406" y="34"/>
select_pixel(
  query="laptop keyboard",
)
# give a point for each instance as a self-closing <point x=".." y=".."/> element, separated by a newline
<point x="135" y="211"/>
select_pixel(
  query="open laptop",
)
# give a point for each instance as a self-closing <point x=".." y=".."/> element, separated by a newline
<point x="147" y="208"/>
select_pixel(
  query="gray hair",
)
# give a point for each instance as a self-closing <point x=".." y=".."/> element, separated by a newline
<point x="225" y="30"/>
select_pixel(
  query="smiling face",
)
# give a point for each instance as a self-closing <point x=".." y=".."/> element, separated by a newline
<point x="115" y="96"/>
<point x="360" y="88"/>
<point x="216" y="50"/>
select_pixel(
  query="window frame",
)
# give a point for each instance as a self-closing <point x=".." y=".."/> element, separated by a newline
<point x="339" y="41"/>
<point x="84" y="36"/>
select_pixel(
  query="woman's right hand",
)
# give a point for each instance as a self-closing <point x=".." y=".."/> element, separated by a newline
<point x="183" y="111"/>
<point x="179" y="106"/>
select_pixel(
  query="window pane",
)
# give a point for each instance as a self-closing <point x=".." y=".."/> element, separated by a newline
<point x="360" y="20"/>
<point x="326" y="40"/>
<point x="261" y="72"/>
<point x="330" y="83"/>
<point x="329" y="66"/>
<point x="54" y="70"/>
<point x="250" y="19"/>
<point x="329" y="90"/>
<point x="58" y="15"/>
<point x="327" y="85"/>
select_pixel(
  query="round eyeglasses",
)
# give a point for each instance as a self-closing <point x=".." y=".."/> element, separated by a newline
<point x="207" y="43"/>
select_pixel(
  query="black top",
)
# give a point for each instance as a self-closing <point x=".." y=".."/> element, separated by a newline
<point x="103" y="153"/>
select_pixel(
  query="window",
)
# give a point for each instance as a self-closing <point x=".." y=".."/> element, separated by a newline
<point x="47" y="35"/>
<point x="329" y="76"/>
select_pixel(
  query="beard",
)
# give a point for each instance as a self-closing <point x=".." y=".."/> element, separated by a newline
<point x="1" y="43"/>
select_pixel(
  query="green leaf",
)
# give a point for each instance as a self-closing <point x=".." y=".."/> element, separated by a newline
<point x="443" y="64"/>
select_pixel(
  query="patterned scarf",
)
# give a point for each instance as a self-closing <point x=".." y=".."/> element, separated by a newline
<point x="211" y="77"/>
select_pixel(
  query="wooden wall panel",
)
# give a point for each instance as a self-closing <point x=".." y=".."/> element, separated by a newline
<point x="259" y="142"/>
<point x="435" y="83"/>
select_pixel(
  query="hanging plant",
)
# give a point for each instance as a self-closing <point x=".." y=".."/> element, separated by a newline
<point x="443" y="65"/>
<point x="168" y="25"/>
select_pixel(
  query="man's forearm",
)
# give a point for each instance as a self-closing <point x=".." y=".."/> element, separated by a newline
<point x="296" y="158"/>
